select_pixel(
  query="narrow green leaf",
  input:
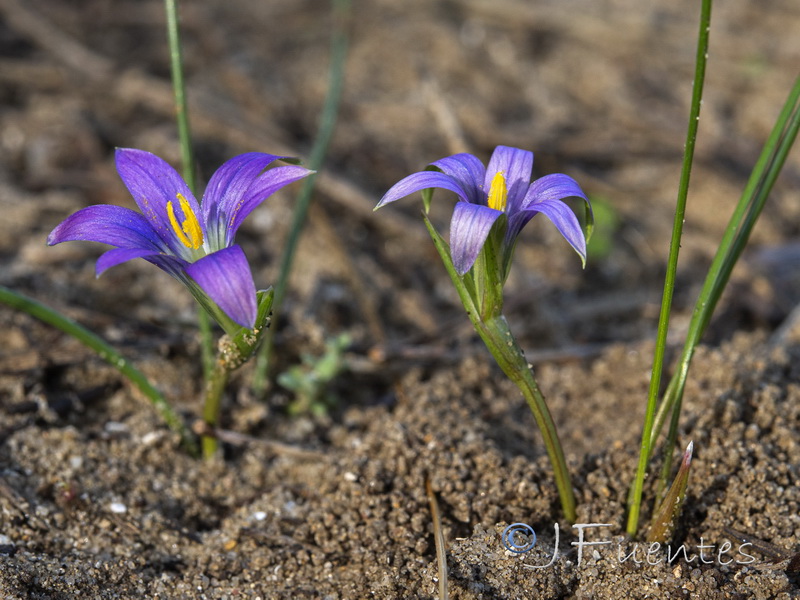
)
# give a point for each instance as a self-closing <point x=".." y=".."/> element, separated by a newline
<point x="701" y="59"/>
<point x="107" y="352"/>
<point x="187" y="156"/>
<point x="341" y="10"/>
<point x="737" y="233"/>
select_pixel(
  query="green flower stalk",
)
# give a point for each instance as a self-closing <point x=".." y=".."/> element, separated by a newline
<point x="233" y="350"/>
<point x="495" y="203"/>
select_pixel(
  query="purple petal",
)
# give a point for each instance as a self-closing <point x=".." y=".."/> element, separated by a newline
<point x="516" y="166"/>
<point x="261" y="189"/>
<point x="562" y="217"/>
<point x="172" y="265"/>
<point x="226" y="189"/>
<point x="114" y="225"/>
<point x="233" y="178"/>
<point x="468" y="172"/>
<point x="421" y="181"/>
<point x="552" y="187"/>
<point x="153" y="183"/>
<point x="117" y="256"/>
<point x="469" y="229"/>
<point x="226" y="278"/>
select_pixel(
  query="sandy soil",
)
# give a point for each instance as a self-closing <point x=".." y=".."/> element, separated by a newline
<point x="98" y="501"/>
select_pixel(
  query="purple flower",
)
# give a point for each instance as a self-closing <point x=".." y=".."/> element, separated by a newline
<point x="486" y="193"/>
<point x="191" y="241"/>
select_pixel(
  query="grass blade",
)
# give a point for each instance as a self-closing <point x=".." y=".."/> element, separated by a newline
<point x="634" y="507"/>
<point x="52" y="317"/>
<point x="187" y="157"/>
<point x="330" y="111"/>
<point x="741" y="224"/>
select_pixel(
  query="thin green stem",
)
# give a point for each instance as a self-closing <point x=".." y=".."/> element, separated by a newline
<point x="666" y="465"/>
<point x="330" y="110"/>
<point x="187" y="158"/>
<point x="493" y="330"/>
<point x="179" y="91"/>
<point x="39" y="311"/>
<point x="672" y="265"/>
<point x="737" y="233"/>
<point x="235" y="349"/>
<point x="215" y="386"/>
<point x="509" y="356"/>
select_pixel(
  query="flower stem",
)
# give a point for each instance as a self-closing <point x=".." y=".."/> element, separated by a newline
<point x="215" y="386"/>
<point x="179" y="91"/>
<point x="187" y="158"/>
<point x="106" y="352"/>
<point x="509" y="356"/>
<point x="330" y="110"/>
<point x="493" y="329"/>
<point x="234" y="349"/>
<point x="672" y="267"/>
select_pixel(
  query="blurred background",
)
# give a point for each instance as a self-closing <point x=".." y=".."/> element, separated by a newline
<point x="597" y="90"/>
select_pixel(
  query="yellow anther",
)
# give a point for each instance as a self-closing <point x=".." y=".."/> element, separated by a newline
<point x="189" y="232"/>
<point x="498" y="192"/>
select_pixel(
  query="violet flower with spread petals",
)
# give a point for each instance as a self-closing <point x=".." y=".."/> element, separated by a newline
<point x="504" y="187"/>
<point x="495" y="203"/>
<point x="191" y="241"/>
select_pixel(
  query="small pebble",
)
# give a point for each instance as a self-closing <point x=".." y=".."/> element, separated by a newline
<point x="151" y="437"/>
<point x="115" y="428"/>
<point x="7" y="548"/>
<point x="259" y="515"/>
<point x="118" y="508"/>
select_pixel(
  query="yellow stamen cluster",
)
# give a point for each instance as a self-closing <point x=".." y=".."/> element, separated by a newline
<point x="498" y="192"/>
<point x="189" y="232"/>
